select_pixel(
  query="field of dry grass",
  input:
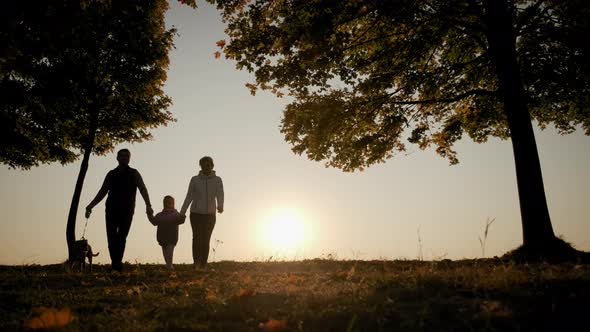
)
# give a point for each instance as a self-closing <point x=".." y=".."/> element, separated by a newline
<point x="311" y="295"/>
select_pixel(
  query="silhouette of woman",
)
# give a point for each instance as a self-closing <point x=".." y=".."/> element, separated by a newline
<point x="205" y="197"/>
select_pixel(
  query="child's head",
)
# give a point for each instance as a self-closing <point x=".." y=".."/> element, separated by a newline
<point x="168" y="202"/>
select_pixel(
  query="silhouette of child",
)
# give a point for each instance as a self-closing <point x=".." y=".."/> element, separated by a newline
<point x="167" y="233"/>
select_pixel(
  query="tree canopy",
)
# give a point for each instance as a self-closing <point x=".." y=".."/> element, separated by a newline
<point x="75" y="70"/>
<point x="367" y="77"/>
<point x="80" y="77"/>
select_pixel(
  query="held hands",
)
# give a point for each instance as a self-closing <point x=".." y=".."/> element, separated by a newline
<point x="150" y="215"/>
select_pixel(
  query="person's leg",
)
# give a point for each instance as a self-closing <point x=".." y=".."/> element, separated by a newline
<point x="200" y="233"/>
<point x="122" y="232"/>
<point x="194" y="222"/>
<point x="111" y="223"/>
<point x="168" y="250"/>
<point x="164" y="254"/>
<point x="206" y="229"/>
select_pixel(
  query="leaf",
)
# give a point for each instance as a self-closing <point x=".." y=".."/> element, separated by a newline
<point x="220" y="43"/>
<point x="252" y="88"/>
<point x="246" y="292"/>
<point x="292" y="289"/>
<point x="134" y="290"/>
<point x="294" y="280"/>
<point x="198" y="282"/>
<point x="351" y="272"/>
<point x="274" y="325"/>
<point x="190" y="3"/>
<point x="172" y="283"/>
<point x="495" y="308"/>
<point x="217" y="54"/>
<point x="48" y="318"/>
<point x="247" y="279"/>
<point x="211" y="295"/>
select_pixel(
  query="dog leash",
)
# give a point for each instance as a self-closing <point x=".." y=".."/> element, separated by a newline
<point x="84" y="232"/>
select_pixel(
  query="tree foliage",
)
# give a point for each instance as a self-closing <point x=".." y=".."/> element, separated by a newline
<point x="80" y="77"/>
<point x="367" y="77"/>
<point x="75" y="70"/>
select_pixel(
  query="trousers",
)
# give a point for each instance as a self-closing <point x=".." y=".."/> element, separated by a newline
<point x="202" y="225"/>
<point x="118" y="224"/>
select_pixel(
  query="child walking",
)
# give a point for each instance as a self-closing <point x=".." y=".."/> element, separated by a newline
<point x="167" y="234"/>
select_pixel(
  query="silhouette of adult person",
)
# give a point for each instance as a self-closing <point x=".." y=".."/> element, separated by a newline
<point x="121" y="185"/>
<point x="205" y="196"/>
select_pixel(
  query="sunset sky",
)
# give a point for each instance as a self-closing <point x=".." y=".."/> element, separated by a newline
<point x="280" y="204"/>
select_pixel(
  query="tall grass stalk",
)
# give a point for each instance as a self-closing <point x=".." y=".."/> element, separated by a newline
<point x="420" y="255"/>
<point x="482" y="243"/>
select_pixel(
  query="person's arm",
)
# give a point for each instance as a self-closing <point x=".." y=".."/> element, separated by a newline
<point x="180" y="218"/>
<point x="100" y="195"/>
<point x="188" y="199"/>
<point x="220" y="196"/>
<point x="144" y="193"/>
<point x="152" y="219"/>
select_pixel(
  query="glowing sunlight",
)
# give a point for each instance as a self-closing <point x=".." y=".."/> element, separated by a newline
<point x="283" y="231"/>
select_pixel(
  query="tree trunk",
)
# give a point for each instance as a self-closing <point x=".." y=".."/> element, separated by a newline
<point x="536" y="223"/>
<point x="71" y="224"/>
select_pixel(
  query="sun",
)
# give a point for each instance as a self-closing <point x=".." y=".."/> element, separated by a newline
<point x="283" y="230"/>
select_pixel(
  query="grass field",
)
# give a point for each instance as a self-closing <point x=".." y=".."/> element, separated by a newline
<point x="311" y="295"/>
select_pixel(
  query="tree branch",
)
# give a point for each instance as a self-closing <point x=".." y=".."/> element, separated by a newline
<point x="527" y="25"/>
<point x="467" y="32"/>
<point x="527" y="14"/>
<point x="370" y="40"/>
<point x="475" y="92"/>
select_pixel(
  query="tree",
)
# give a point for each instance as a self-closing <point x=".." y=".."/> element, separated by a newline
<point x="81" y="77"/>
<point x="367" y="75"/>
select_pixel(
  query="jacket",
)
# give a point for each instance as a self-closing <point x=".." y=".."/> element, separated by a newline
<point x="167" y="222"/>
<point x="204" y="194"/>
<point x="122" y="183"/>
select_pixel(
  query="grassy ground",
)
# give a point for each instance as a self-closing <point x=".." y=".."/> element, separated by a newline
<point x="313" y="295"/>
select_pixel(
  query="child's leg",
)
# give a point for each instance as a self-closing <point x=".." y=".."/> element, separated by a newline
<point x="168" y="251"/>
<point x="164" y="253"/>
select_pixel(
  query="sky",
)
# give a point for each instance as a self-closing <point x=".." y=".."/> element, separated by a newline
<point x="279" y="205"/>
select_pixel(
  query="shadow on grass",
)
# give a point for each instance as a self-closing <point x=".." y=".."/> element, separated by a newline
<point x="311" y="295"/>
<point x="436" y="305"/>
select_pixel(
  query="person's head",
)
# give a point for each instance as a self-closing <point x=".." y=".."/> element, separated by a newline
<point x="123" y="157"/>
<point x="168" y="202"/>
<point x="206" y="164"/>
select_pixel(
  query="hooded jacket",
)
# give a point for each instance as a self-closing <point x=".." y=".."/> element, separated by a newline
<point x="204" y="195"/>
<point x="167" y="222"/>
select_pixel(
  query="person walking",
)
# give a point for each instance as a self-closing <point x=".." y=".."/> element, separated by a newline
<point x="205" y="197"/>
<point x="167" y="233"/>
<point x="121" y="185"/>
